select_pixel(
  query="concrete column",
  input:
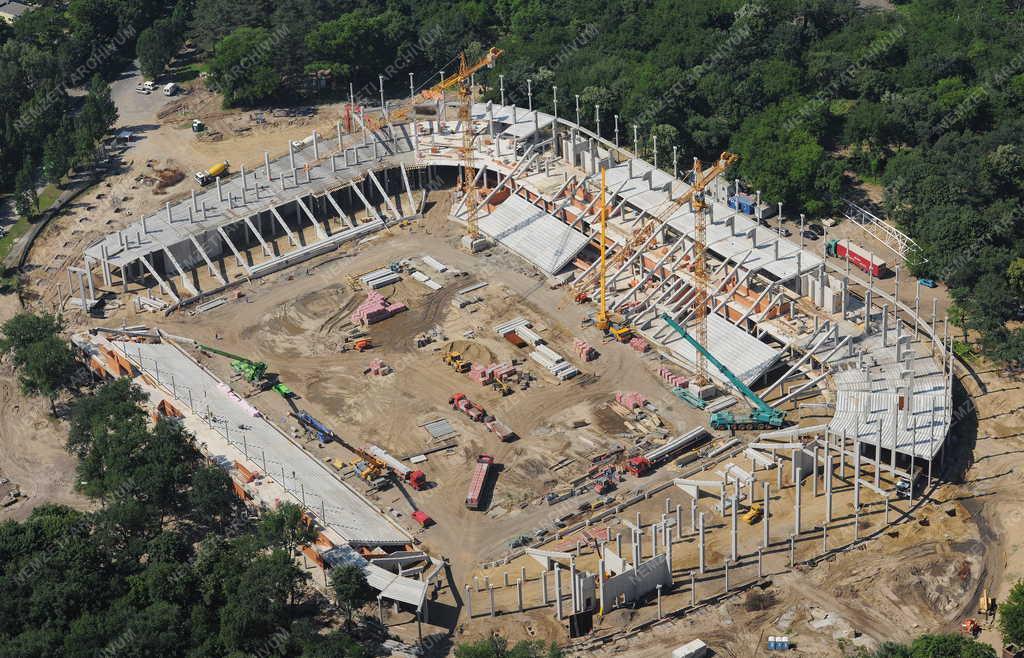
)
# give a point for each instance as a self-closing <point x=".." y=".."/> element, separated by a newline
<point x="572" y="585"/>
<point x="700" y="542"/>
<point x="679" y="522"/>
<point x="759" y="565"/>
<point x="659" y="600"/>
<point x="618" y="544"/>
<point x="828" y="488"/>
<point x="693" y="590"/>
<point x="693" y="515"/>
<point x="766" y="517"/>
<point x="885" y="325"/>
<point x="856" y="473"/>
<point x="778" y="476"/>
<point x="544" y="588"/>
<point x="469" y="601"/>
<point x="856" y="523"/>
<point x="814" y="475"/>
<point x="792" y="551"/>
<point x="732" y="536"/>
<point x="519" y="594"/>
<point x="504" y="579"/>
<point x="796" y="504"/>
<point x="490" y="591"/>
<point x="654" y="540"/>
<point x="636" y="547"/>
<point x="726" y="574"/>
<point x="600" y="586"/>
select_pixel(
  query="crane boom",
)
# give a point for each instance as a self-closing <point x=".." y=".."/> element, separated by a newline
<point x="639" y="237"/>
<point x="765" y="415"/>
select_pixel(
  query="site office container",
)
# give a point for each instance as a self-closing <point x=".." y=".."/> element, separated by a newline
<point x="860" y="257"/>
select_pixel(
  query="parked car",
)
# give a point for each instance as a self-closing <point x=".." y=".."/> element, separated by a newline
<point x="785" y="232"/>
<point x="927" y="283"/>
<point x="817" y="228"/>
<point x="141" y="89"/>
<point x="149" y="85"/>
<point x="809" y="235"/>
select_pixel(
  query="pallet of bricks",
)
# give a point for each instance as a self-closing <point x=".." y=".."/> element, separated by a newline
<point x="486" y="374"/>
<point x="583" y="349"/>
<point x="672" y="379"/>
<point x="639" y="344"/>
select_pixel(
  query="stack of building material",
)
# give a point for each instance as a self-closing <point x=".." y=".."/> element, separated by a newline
<point x="501" y="430"/>
<point x="426" y="280"/>
<point x="521" y="327"/>
<point x="672" y="379"/>
<point x="630" y="400"/>
<point x="583" y="349"/>
<point x="481" y="374"/>
<point x="378" y="367"/>
<point x="503" y="371"/>
<point x="434" y="263"/>
<point x="375" y="309"/>
<point x="553" y="362"/>
<point x="380" y="278"/>
<point x="639" y="344"/>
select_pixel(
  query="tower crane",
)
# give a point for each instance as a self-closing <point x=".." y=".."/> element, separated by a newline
<point x="695" y="196"/>
<point x="606" y="322"/>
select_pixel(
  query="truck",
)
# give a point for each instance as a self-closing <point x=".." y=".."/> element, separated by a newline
<point x="500" y="429"/>
<point x="909" y="483"/>
<point x="321" y="431"/>
<point x="476" y="413"/>
<point x="170" y="89"/>
<point x="641" y="465"/>
<point x="204" y="178"/>
<point x="478" y="481"/>
<point x="415" y="478"/>
<point x="858" y="256"/>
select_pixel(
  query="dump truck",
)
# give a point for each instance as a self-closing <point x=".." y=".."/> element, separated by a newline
<point x="204" y="178"/>
<point x="476" y="413"/>
<point x="478" y="481"/>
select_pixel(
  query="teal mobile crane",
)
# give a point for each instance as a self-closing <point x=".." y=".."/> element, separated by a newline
<point x="761" y="416"/>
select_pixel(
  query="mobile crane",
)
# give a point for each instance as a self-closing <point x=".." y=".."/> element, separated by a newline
<point x="370" y="463"/>
<point x="761" y="416"/>
<point x="254" y="372"/>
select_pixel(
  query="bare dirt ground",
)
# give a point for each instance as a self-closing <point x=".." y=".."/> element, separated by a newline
<point x="32" y="455"/>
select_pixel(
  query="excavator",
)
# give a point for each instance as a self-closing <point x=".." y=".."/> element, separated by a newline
<point x="761" y="416"/>
<point x="254" y="372"/>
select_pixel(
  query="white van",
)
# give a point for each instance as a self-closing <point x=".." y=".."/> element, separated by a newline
<point x="170" y="89"/>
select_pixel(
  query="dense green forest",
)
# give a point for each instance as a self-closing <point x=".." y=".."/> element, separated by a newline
<point x="921" y="97"/>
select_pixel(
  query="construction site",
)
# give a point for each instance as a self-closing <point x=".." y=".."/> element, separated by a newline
<point x="513" y="369"/>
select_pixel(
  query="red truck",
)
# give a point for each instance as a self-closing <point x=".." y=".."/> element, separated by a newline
<point x="476" y="413"/>
<point x="859" y="256"/>
<point x="478" y="481"/>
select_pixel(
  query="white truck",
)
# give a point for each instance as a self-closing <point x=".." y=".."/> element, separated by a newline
<point x="171" y="88"/>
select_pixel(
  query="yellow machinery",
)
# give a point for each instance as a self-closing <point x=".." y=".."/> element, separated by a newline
<point x="502" y="387"/>
<point x="694" y="196"/>
<point x="613" y="325"/>
<point x="455" y="361"/>
<point x="754" y="514"/>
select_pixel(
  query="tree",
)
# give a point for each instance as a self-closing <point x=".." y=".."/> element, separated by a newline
<point x="211" y="496"/>
<point x="26" y="328"/>
<point x="242" y="68"/>
<point x="286" y="527"/>
<point x="26" y="202"/>
<point x="156" y="46"/>
<point x="1011" y="615"/>
<point x="46" y="365"/>
<point x="496" y="646"/>
<point x="57" y="153"/>
<point x="351" y="591"/>
<point x="950" y="646"/>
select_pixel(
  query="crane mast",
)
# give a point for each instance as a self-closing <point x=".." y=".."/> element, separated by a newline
<point x="602" y="321"/>
<point x="468" y="166"/>
<point x="700" y="273"/>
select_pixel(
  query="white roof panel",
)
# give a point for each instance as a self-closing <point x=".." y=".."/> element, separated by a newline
<point x="533" y="234"/>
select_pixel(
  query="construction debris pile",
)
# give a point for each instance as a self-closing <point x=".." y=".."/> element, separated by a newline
<point x="375" y="309"/>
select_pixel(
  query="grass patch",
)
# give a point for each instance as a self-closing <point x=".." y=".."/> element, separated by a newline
<point x="48" y="196"/>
